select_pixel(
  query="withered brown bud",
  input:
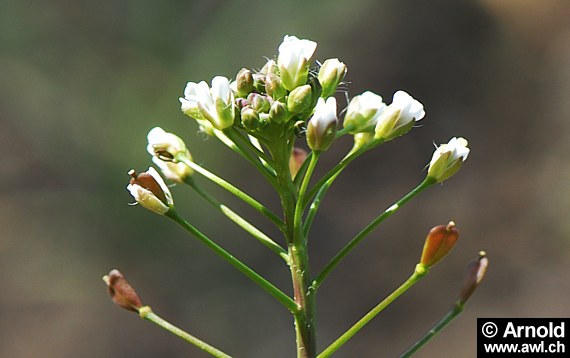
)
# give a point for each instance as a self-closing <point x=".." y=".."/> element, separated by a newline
<point x="298" y="156"/>
<point x="474" y="275"/>
<point x="121" y="292"/>
<point x="439" y="242"/>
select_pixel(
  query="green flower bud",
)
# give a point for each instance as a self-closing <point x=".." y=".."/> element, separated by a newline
<point x="273" y="87"/>
<point x="249" y="118"/>
<point x="300" y="99"/>
<point x="278" y="113"/>
<point x="244" y="82"/>
<point x="259" y="82"/>
<point x="259" y="102"/>
<point x="332" y="72"/>
<point x="269" y="67"/>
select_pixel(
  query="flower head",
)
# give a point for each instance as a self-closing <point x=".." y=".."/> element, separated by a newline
<point x="321" y="129"/>
<point x="399" y="117"/>
<point x="363" y="112"/>
<point x="216" y="104"/>
<point x="447" y="159"/>
<point x="293" y="61"/>
<point x="150" y="191"/>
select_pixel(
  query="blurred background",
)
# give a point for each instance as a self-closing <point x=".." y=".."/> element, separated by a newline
<point x="83" y="82"/>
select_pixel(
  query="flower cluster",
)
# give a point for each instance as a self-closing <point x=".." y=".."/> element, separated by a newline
<point x="286" y="94"/>
<point x="260" y="115"/>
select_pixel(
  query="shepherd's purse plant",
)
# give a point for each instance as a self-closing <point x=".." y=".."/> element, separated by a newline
<point x="262" y="115"/>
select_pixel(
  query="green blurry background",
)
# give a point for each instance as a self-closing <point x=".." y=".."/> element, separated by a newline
<point x="82" y="82"/>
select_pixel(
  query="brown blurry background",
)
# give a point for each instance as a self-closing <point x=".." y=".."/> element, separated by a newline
<point x="82" y="83"/>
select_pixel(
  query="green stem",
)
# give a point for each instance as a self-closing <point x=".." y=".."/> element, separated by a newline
<point x="245" y="148"/>
<point x="257" y="151"/>
<point x="299" y="263"/>
<point x="450" y="316"/>
<point x="419" y="273"/>
<point x="298" y="223"/>
<point x="146" y="313"/>
<point x="368" y="229"/>
<point x="246" y="270"/>
<point x="235" y="191"/>
<point x="240" y="221"/>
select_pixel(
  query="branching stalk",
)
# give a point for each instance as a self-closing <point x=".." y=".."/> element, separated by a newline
<point x="418" y="274"/>
<point x="368" y="229"/>
<point x="246" y="270"/>
<point x="235" y="191"/>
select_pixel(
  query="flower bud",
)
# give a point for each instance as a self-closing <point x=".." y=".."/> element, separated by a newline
<point x="439" y="242"/>
<point x="150" y="191"/>
<point x="259" y="82"/>
<point x="447" y="159"/>
<point x="249" y="118"/>
<point x="321" y="128"/>
<point x="293" y="61"/>
<point x="331" y="73"/>
<point x="296" y="160"/>
<point x="259" y="102"/>
<point x="278" y="113"/>
<point x="121" y="292"/>
<point x="399" y="117"/>
<point x="300" y="99"/>
<point x="166" y="146"/>
<point x="475" y="273"/>
<point x="244" y="82"/>
<point x="269" y="67"/>
<point x="363" y="112"/>
<point x="274" y="87"/>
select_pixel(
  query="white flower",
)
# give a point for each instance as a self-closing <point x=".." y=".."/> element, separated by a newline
<point x="216" y="104"/>
<point x="194" y="93"/>
<point x="165" y="145"/>
<point x="293" y="61"/>
<point x="363" y="112"/>
<point x="321" y="128"/>
<point x="399" y="117"/>
<point x="447" y="159"/>
<point x="150" y="191"/>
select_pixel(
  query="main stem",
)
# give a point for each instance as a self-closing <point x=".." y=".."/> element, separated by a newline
<point x="297" y="248"/>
